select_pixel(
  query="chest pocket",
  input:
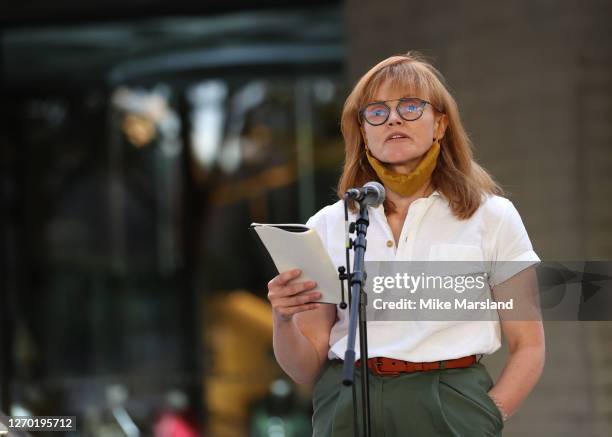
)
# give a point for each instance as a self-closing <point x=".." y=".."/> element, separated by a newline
<point x="457" y="259"/>
<point x="455" y="252"/>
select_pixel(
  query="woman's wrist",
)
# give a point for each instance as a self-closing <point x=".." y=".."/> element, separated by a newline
<point x="278" y="317"/>
<point x="500" y="407"/>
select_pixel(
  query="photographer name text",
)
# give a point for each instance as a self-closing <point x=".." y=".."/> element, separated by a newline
<point x="440" y="304"/>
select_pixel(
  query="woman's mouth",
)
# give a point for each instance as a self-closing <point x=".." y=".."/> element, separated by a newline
<point x="396" y="138"/>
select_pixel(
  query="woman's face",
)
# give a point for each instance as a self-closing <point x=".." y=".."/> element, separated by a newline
<point x="399" y="143"/>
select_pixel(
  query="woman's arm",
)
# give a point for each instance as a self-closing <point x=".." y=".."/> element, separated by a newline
<point x="300" y="327"/>
<point x="524" y="333"/>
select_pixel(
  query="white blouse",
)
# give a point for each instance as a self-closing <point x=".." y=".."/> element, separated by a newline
<point x="430" y="233"/>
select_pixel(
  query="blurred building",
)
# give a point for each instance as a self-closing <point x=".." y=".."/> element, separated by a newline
<point x="141" y="139"/>
<point x="138" y="149"/>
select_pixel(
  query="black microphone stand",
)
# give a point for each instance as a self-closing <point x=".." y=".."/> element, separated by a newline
<point x="357" y="309"/>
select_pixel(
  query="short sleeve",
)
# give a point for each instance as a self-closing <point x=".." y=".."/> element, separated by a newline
<point x="318" y="223"/>
<point x="512" y="249"/>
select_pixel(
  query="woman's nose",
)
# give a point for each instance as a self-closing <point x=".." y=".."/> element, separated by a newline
<point x="394" y="118"/>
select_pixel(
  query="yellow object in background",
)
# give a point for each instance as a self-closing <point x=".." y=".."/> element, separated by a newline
<point x="241" y="365"/>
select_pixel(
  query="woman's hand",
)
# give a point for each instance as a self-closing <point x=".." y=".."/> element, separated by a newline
<point x="522" y="327"/>
<point x="288" y="298"/>
<point x="300" y="335"/>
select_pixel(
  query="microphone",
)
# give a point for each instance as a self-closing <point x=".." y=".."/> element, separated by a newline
<point x="371" y="194"/>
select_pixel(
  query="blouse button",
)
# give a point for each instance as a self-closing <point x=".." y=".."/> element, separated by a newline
<point x="389" y="243"/>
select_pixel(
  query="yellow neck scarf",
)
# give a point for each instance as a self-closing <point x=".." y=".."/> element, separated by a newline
<point x="407" y="184"/>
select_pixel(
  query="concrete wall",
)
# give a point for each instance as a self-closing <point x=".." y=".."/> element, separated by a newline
<point x="533" y="80"/>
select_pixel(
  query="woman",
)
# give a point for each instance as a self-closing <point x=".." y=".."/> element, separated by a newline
<point x="402" y="127"/>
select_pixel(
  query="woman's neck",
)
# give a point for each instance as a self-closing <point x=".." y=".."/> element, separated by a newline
<point x="402" y="203"/>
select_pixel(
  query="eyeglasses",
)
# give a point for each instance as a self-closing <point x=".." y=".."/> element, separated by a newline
<point x="408" y="108"/>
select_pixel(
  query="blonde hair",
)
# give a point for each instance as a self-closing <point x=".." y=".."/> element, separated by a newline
<point x="457" y="176"/>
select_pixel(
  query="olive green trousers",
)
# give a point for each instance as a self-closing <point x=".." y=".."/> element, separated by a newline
<point x="449" y="402"/>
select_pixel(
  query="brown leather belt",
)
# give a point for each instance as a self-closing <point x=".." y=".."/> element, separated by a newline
<point x="391" y="367"/>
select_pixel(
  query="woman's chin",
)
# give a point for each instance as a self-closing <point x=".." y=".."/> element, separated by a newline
<point x="400" y="161"/>
<point x="398" y="156"/>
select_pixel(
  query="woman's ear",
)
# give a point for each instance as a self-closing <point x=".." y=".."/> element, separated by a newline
<point x="440" y="126"/>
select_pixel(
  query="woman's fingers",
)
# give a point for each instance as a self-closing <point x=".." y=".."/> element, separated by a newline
<point x="298" y="287"/>
<point x="294" y="301"/>
<point x="293" y="294"/>
<point x="284" y="277"/>
<point x="288" y="312"/>
<point x="279" y="287"/>
<point x="300" y="308"/>
<point x="299" y="299"/>
<point x="288" y="299"/>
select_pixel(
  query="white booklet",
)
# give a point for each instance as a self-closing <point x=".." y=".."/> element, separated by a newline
<point x="297" y="246"/>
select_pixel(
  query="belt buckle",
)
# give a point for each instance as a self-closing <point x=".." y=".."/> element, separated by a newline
<point x="378" y="371"/>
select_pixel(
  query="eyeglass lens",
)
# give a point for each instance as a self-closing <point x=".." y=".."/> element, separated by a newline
<point x="409" y="109"/>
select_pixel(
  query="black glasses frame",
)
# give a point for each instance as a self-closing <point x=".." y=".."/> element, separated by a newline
<point x="422" y="102"/>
